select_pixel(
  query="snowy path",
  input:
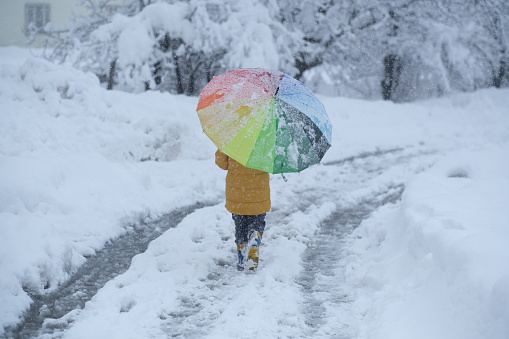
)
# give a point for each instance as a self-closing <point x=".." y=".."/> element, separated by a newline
<point x="197" y="293"/>
<point x="108" y="263"/>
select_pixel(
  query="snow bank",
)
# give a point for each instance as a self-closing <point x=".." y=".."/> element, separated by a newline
<point x="435" y="266"/>
<point x="77" y="163"/>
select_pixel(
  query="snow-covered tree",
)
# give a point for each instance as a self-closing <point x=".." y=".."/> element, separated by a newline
<point x="447" y="45"/>
<point x="404" y="50"/>
<point x="398" y="50"/>
<point x="339" y="54"/>
<point x="174" y="45"/>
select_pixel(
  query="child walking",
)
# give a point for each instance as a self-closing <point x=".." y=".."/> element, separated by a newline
<point x="248" y="199"/>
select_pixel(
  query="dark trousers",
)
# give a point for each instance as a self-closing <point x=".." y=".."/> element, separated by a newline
<point x="246" y="224"/>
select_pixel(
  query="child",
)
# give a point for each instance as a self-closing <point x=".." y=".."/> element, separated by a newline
<point x="248" y="199"/>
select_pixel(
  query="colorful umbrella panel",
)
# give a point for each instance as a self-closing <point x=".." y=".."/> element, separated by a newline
<point x="265" y="120"/>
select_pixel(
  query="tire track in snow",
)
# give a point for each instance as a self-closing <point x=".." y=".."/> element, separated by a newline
<point x="113" y="260"/>
<point x="318" y="280"/>
<point x="364" y="155"/>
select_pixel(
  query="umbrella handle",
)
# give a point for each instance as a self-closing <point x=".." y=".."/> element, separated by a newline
<point x="284" y="178"/>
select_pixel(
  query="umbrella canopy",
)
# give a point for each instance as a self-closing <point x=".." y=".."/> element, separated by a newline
<point x="265" y="120"/>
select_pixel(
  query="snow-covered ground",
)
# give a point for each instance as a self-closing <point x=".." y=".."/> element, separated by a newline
<point x="80" y="165"/>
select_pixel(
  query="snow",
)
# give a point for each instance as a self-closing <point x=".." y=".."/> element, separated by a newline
<point x="79" y="164"/>
<point x="437" y="261"/>
<point x="230" y="34"/>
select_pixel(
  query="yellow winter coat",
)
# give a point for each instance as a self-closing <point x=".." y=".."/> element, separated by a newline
<point x="247" y="190"/>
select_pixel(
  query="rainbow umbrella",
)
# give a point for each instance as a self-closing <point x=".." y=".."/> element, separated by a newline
<point x="265" y="120"/>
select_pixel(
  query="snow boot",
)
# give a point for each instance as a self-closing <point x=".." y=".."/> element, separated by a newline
<point x="254" y="245"/>
<point x="240" y="256"/>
